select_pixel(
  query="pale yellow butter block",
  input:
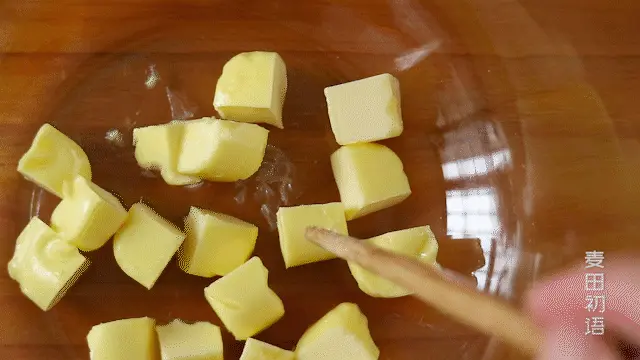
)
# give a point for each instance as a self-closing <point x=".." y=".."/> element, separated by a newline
<point x="243" y="300"/>
<point x="342" y="334"/>
<point x="221" y="150"/>
<point x="292" y="224"/>
<point x="365" y="110"/>
<point x="88" y="215"/>
<point x="125" y="339"/>
<point x="216" y="243"/>
<point x="44" y="264"/>
<point x="145" y="244"/>
<point x="158" y="148"/>
<point x="259" y="350"/>
<point x="52" y="159"/>
<point x="197" y="341"/>
<point x="252" y="88"/>
<point x="418" y="242"/>
<point x="370" y="177"/>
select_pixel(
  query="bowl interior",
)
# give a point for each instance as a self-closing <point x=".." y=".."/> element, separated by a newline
<point x="464" y="149"/>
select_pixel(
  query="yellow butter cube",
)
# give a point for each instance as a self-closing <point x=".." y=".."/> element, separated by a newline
<point x="292" y="224"/>
<point x="243" y="300"/>
<point x="342" y="334"/>
<point x="87" y="216"/>
<point x="216" y="243"/>
<point x="365" y="110"/>
<point x="125" y="339"/>
<point x="45" y="265"/>
<point x="418" y="242"/>
<point x="220" y="150"/>
<point x="370" y="177"/>
<point x="158" y="148"/>
<point x="145" y="244"/>
<point x="52" y="159"/>
<point x="258" y="350"/>
<point x="198" y="341"/>
<point x="252" y="88"/>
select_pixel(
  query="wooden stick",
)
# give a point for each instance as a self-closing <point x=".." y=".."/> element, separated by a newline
<point x="481" y="311"/>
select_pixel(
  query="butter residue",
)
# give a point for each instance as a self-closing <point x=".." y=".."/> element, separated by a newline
<point x="271" y="187"/>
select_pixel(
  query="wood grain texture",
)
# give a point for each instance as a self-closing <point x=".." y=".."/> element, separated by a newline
<point x="539" y="95"/>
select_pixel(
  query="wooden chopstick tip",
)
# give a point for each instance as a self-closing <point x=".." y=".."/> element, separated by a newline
<point x="343" y="246"/>
<point x="322" y="237"/>
<point x="311" y="233"/>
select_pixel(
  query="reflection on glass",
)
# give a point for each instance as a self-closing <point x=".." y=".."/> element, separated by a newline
<point x="476" y="166"/>
<point x="475" y="155"/>
<point x="473" y="213"/>
<point x="476" y="162"/>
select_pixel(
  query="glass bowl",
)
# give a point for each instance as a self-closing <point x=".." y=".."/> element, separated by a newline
<point x="520" y="144"/>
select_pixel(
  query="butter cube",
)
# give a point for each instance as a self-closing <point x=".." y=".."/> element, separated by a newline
<point x="418" y="242"/>
<point x="145" y="244"/>
<point x="243" y="300"/>
<point x="258" y="350"/>
<point x="370" y="177"/>
<point x="45" y="265"/>
<point x="365" y="110"/>
<point x="158" y="148"/>
<point x="87" y="216"/>
<point x="252" y="88"/>
<point x="220" y="150"/>
<point x="52" y="159"/>
<point x="342" y="334"/>
<point x="216" y="243"/>
<point x="292" y="224"/>
<point x="198" y="341"/>
<point x="125" y="339"/>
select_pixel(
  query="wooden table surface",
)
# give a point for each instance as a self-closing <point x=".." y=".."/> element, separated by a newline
<point x="521" y="143"/>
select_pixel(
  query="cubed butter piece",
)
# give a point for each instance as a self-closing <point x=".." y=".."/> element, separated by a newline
<point x="52" y="159"/>
<point x="243" y="300"/>
<point x="125" y="339"/>
<point x="258" y="350"/>
<point x="342" y="334"/>
<point x="216" y="243"/>
<point x="365" y="110"/>
<point x="220" y="150"/>
<point x="252" y="88"/>
<point x="145" y="244"/>
<point x="197" y="341"/>
<point x="88" y="215"/>
<point x="418" y="242"/>
<point x="158" y="148"/>
<point x="370" y="177"/>
<point x="292" y="224"/>
<point x="45" y="265"/>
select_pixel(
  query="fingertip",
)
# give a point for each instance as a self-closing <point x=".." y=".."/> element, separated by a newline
<point x="557" y="298"/>
<point x="565" y="342"/>
<point x="534" y="305"/>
